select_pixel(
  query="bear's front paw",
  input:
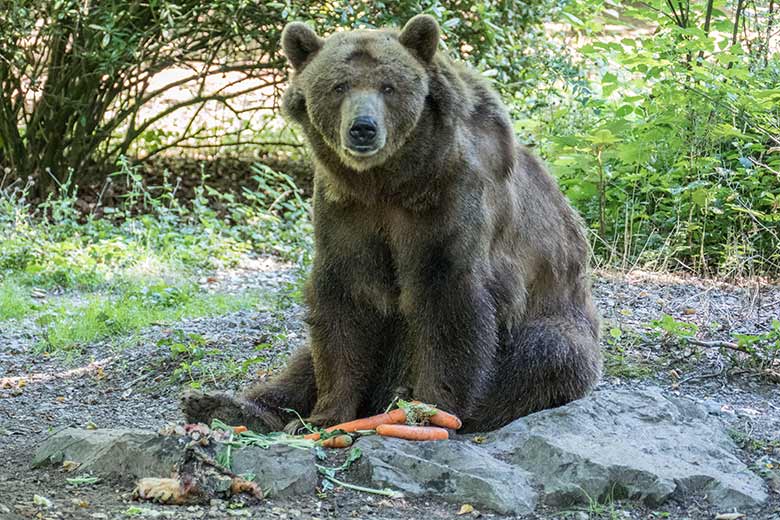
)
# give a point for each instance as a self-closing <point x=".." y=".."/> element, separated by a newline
<point x="203" y="407"/>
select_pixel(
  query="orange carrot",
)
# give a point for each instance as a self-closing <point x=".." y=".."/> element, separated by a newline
<point x="413" y="433"/>
<point x="367" y="423"/>
<point x="441" y="418"/>
<point x="370" y="423"/>
<point x="240" y="429"/>
<point x="445" y="420"/>
<point x="339" y="441"/>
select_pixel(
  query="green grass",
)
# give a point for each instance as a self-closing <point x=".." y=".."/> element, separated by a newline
<point x="85" y="279"/>
<point x="626" y="366"/>
<point x="15" y="301"/>
<point x="104" y="316"/>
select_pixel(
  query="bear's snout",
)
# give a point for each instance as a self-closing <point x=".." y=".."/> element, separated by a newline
<point x="362" y="133"/>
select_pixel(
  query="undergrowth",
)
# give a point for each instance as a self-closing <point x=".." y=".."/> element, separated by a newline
<point x="82" y="278"/>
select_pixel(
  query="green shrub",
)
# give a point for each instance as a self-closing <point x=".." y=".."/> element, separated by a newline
<point x="672" y="151"/>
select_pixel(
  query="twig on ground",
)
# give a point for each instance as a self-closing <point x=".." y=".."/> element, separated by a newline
<point x="703" y="376"/>
<point x="718" y="344"/>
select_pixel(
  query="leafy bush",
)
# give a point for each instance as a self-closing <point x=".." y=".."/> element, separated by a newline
<point x="672" y="151"/>
<point x="74" y="75"/>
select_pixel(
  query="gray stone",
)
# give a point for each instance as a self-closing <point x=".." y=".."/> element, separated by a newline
<point x="456" y="471"/>
<point x="281" y="471"/>
<point x="125" y="454"/>
<point x="128" y="455"/>
<point x="629" y="444"/>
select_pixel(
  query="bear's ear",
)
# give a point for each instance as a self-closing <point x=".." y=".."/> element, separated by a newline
<point x="299" y="43"/>
<point x="421" y="36"/>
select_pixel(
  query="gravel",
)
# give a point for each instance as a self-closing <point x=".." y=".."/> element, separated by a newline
<point x="131" y="383"/>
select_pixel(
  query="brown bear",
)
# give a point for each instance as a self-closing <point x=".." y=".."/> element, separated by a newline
<point x="448" y="265"/>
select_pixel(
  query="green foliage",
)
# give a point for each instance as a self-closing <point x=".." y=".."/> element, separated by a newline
<point x="620" y="360"/>
<point x="669" y="328"/>
<point x="136" y="269"/>
<point x="671" y="149"/>
<point x="68" y="325"/>
<point x="764" y="346"/>
<point x="190" y="350"/>
<point x="15" y="301"/>
<point x="74" y="76"/>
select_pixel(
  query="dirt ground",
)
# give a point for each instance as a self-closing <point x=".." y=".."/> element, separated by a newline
<point x="135" y="383"/>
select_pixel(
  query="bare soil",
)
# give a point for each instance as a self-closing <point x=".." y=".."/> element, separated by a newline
<point x="134" y="383"/>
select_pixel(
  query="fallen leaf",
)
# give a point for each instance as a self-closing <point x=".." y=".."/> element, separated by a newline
<point x="70" y="465"/>
<point x="729" y="516"/>
<point x="40" y="501"/>
<point x="466" y="509"/>
<point x="90" y="426"/>
<point x="79" y="502"/>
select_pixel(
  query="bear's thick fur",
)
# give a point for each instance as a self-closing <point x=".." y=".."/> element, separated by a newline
<point x="448" y="265"/>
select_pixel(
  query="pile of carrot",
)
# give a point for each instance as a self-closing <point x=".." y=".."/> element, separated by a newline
<point x="391" y="424"/>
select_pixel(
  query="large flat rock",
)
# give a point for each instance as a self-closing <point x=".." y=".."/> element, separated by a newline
<point x="281" y="471"/>
<point x="456" y="471"/>
<point x="124" y="454"/>
<point x="127" y="455"/>
<point x="629" y="444"/>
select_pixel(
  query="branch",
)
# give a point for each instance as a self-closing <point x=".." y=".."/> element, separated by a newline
<point x="718" y="344"/>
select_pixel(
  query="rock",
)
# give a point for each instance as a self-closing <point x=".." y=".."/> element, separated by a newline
<point x="629" y="444"/>
<point x="125" y="454"/>
<point x="456" y="471"/>
<point x="281" y="471"/>
<point x="129" y="455"/>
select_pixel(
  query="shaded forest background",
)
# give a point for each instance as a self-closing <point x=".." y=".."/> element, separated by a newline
<point x="131" y="131"/>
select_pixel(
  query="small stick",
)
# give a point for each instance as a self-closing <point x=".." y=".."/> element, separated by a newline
<point x="718" y="344"/>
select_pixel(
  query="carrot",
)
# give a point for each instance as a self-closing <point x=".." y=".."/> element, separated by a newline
<point x="413" y="433"/>
<point x="440" y="417"/>
<point x="240" y="429"/>
<point x="366" y="423"/>
<point x="370" y="423"/>
<point x="339" y="441"/>
<point x="445" y="420"/>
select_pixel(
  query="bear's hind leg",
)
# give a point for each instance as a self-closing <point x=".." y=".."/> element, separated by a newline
<point x="543" y="364"/>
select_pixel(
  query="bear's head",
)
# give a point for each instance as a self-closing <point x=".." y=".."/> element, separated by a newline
<point x="360" y="93"/>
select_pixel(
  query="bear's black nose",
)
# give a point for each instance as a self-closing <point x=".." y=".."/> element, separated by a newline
<point x="363" y="130"/>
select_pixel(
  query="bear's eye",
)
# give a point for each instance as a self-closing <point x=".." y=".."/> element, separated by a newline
<point x="340" y="88"/>
<point x="387" y="89"/>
